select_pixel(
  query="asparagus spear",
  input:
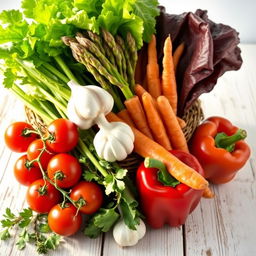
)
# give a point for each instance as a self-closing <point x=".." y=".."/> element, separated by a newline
<point x="132" y="49"/>
<point x="110" y="40"/>
<point x="97" y="40"/>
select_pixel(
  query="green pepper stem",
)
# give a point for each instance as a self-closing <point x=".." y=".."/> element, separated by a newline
<point x="228" y="142"/>
<point x="153" y="163"/>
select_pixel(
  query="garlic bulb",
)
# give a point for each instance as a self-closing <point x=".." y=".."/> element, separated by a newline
<point x="128" y="237"/>
<point x="87" y="106"/>
<point x="114" y="141"/>
<point x="87" y="103"/>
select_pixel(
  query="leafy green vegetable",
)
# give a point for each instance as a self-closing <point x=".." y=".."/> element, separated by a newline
<point x="101" y="222"/>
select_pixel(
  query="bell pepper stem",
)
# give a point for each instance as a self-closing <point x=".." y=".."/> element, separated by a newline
<point x="222" y="140"/>
<point x="153" y="163"/>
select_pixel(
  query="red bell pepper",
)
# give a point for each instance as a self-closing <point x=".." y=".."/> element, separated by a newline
<point x="163" y="204"/>
<point x="219" y="147"/>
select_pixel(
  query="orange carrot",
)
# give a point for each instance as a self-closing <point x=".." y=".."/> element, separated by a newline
<point x="208" y="193"/>
<point x="154" y="121"/>
<point x="139" y="90"/>
<point x="124" y="114"/>
<point x="153" y="78"/>
<point x="137" y="114"/>
<point x="174" y="131"/>
<point x="146" y="147"/>
<point x="168" y="75"/>
<point x="177" y="55"/>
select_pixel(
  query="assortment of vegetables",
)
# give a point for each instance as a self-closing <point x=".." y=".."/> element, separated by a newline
<point x="74" y="63"/>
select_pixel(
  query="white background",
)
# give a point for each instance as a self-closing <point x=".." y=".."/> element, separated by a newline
<point x="239" y="14"/>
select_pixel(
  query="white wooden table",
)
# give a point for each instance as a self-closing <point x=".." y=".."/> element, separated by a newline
<point x="223" y="226"/>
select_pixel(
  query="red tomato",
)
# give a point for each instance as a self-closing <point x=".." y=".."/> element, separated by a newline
<point x="42" y="196"/>
<point x="34" y="150"/>
<point x="24" y="173"/>
<point x="65" y="135"/>
<point x="64" y="221"/>
<point x="91" y="193"/>
<point x="15" y="138"/>
<point x="65" y="169"/>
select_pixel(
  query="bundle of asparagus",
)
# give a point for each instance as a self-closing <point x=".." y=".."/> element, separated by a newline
<point x="111" y="60"/>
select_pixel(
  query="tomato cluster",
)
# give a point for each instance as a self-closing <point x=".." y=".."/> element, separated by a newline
<point x="48" y="168"/>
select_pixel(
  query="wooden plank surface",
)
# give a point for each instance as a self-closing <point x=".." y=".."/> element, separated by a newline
<point x="223" y="226"/>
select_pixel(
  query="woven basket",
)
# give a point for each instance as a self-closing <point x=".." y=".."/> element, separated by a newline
<point x="192" y="118"/>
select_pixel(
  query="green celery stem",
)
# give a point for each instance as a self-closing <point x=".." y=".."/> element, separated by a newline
<point x="227" y="141"/>
<point x="65" y="68"/>
<point x="56" y="72"/>
<point x="88" y="153"/>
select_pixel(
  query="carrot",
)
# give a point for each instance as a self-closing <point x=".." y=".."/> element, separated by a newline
<point x="139" y="90"/>
<point x="153" y="78"/>
<point x="146" y="147"/>
<point x="177" y="55"/>
<point x="154" y="120"/>
<point x="137" y="114"/>
<point x="124" y="114"/>
<point x="168" y="75"/>
<point x="208" y="193"/>
<point x="174" y="131"/>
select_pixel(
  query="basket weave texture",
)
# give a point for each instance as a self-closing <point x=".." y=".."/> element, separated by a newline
<point x="192" y="117"/>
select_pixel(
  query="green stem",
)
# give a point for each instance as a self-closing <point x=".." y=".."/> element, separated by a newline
<point x="21" y="95"/>
<point x="222" y="140"/>
<point x="127" y="92"/>
<point x="163" y="175"/>
<point x="50" y="83"/>
<point x="84" y="149"/>
<point x="53" y="100"/>
<point x="153" y="163"/>
<point x="56" y="72"/>
<point x="65" y="68"/>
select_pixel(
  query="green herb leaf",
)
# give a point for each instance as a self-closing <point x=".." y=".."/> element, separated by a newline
<point x="52" y="242"/>
<point x="121" y="173"/>
<point x="23" y="239"/>
<point x="101" y="222"/>
<point x="26" y="215"/>
<point x="44" y="228"/>
<point x="9" y="214"/>
<point x="5" y="234"/>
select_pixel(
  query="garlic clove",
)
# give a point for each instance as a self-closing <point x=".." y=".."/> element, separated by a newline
<point x="86" y="102"/>
<point x="118" y="149"/>
<point x="103" y="96"/>
<point x="128" y="237"/>
<point x="108" y="153"/>
<point x="74" y="117"/>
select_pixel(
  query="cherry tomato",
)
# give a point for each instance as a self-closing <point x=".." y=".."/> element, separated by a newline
<point x="65" y="169"/>
<point x="15" y="137"/>
<point x="65" y="135"/>
<point x="91" y="193"/>
<point x="64" y="221"/>
<point x="34" y="150"/>
<point x="24" y="173"/>
<point x="42" y="196"/>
